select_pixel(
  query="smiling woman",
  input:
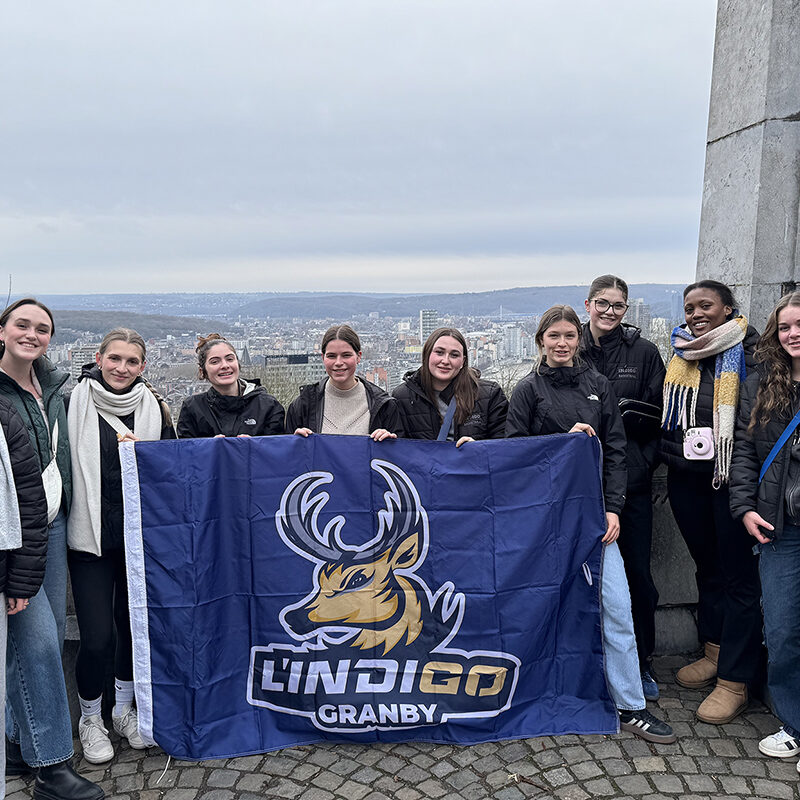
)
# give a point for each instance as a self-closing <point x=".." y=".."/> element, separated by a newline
<point x="111" y="403"/>
<point x="713" y="353"/>
<point x="343" y="403"/>
<point x="231" y="406"/>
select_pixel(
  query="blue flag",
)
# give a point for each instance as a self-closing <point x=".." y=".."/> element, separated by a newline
<point x="286" y="590"/>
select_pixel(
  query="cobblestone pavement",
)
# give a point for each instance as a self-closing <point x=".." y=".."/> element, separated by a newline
<point x="706" y="762"/>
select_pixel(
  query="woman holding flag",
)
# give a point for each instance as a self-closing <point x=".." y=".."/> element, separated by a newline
<point x="563" y="394"/>
<point x="112" y="403"/>
<point x="712" y="354"/>
<point x="445" y="389"/>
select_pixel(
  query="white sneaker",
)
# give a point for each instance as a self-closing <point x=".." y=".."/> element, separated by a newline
<point x="97" y="747"/>
<point x="127" y="726"/>
<point x="780" y="745"/>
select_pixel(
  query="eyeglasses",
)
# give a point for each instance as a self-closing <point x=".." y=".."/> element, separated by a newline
<point x="617" y="309"/>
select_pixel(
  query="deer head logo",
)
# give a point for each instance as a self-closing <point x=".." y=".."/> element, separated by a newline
<point x="367" y="595"/>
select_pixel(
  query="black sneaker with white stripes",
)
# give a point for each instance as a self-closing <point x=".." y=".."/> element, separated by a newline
<point x="646" y="726"/>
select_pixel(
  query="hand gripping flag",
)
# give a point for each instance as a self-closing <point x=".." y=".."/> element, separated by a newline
<point x="286" y="590"/>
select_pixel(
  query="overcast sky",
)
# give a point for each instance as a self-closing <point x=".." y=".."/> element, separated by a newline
<point x="422" y="145"/>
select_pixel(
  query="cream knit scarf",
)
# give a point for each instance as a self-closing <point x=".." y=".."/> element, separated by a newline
<point x="89" y="398"/>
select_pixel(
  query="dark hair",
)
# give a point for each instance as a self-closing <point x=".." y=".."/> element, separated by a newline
<point x="608" y="282"/>
<point x="123" y="335"/>
<point x="204" y="345"/>
<point x="550" y="317"/>
<point x="465" y="384"/>
<point x="775" y="394"/>
<point x="25" y="301"/>
<point x="724" y="292"/>
<point x="343" y="332"/>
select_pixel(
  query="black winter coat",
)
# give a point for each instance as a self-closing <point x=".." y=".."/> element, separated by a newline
<point x="422" y="420"/>
<point x="672" y="441"/>
<point x="52" y="381"/>
<point x="750" y="452"/>
<point x="635" y="370"/>
<point x="22" y="570"/>
<point x="552" y="400"/>
<point x="307" y="410"/>
<point x="253" y="412"/>
<point x="111" y="509"/>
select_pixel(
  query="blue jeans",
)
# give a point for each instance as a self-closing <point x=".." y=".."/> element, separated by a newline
<point x="619" y="643"/>
<point x="55" y="577"/>
<point x="780" y="579"/>
<point x="37" y="711"/>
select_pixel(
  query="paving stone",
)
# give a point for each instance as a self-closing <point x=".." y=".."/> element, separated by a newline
<point x="558" y="777"/>
<point x="700" y="783"/>
<point x="327" y="781"/>
<point x="219" y="794"/>
<point x="407" y="793"/>
<point x="366" y="775"/>
<point x="617" y="766"/>
<point x="682" y="765"/>
<point x="315" y="794"/>
<point x="432" y="788"/>
<point x="353" y="790"/>
<point x="442" y="768"/>
<point x="733" y="784"/>
<point x="548" y="758"/>
<point x="633" y="784"/>
<point x="586" y="770"/>
<point x="223" y="778"/>
<point x="461" y="779"/>
<point x="599" y="788"/>
<point x="668" y="784"/>
<point x="727" y="748"/>
<point x="412" y="774"/>
<point x="129" y="783"/>
<point x="571" y="793"/>
<point x="649" y="764"/>
<point x="252" y="782"/>
<point x="767" y="788"/>
<point x="285" y="788"/>
<point x="509" y="793"/>
<point x="744" y="766"/>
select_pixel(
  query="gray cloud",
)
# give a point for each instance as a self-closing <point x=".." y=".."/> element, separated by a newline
<point x="165" y="134"/>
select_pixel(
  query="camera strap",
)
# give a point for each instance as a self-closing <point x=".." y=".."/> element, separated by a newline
<point x="776" y="448"/>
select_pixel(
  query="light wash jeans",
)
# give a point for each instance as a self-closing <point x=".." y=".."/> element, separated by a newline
<point x="780" y="578"/>
<point x="37" y="711"/>
<point x="619" y="643"/>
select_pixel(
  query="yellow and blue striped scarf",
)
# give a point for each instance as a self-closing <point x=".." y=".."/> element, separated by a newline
<point x="683" y="382"/>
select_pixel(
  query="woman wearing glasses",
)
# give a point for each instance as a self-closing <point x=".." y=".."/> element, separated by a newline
<point x="634" y="367"/>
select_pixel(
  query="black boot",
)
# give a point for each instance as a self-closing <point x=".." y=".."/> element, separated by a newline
<point x="61" y="782"/>
<point x="15" y="763"/>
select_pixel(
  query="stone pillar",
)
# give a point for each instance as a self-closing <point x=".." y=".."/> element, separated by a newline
<point x="750" y="216"/>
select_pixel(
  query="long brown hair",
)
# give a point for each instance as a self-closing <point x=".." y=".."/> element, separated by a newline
<point x="776" y="388"/>
<point x="465" y="384"/>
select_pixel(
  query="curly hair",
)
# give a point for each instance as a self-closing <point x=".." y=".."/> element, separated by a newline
<point x="465" y="384"/>
<point x="776" y="390"/>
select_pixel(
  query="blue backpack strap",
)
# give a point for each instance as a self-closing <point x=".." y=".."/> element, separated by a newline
<point x="448" y="421"/>
<point x="776" y="448"/>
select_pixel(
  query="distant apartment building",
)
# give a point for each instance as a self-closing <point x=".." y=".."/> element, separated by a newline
<point x="78" y="357"/>
<point x="428" y="323"/>
<point x="639" y="314"/>
<point x="512" y="343"/>
<point x="293" y="369"/>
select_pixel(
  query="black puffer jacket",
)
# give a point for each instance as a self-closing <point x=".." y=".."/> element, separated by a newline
<point x="111" y="509"/>
<point x="422" y="420"/>
<point x="553" y="400"/>
<point x="52" y="381"/>
<point x="22" y="570"/>
<point x="307" y="410"/>
<point x="252" y="412"/>
<point x="672" y="441"/>
<point x="750" y="452"/>
<point x="635" y="370"/>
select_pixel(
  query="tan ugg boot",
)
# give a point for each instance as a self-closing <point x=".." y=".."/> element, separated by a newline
<point x="726" y="702"/>
<point x="702" y="672"/>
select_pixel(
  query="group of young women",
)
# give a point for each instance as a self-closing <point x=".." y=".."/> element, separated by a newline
<point x="599" y="378"/>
